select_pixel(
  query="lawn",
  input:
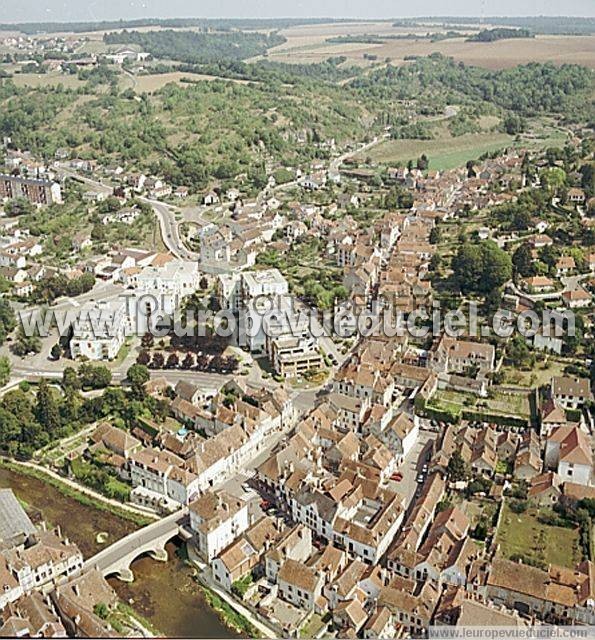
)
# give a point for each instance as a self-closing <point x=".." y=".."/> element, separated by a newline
<point x="509" y="404"/>
<point x="312" y="626"/>
<point x="451" y="401"/>
<point x="448" y="152"/>
<point x="540" y="375"/>
<point x="498" y="404"/>
<point x="522" y="534"/>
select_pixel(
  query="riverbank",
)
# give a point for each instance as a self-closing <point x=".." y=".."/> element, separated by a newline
<point x="228" y="616"/>
<point x="79" y="518"/>
<point x="84" y="495"/>
<point x="233" y="613"/>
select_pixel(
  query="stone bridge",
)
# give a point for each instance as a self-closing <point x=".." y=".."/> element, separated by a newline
<point x="117" y="558"/>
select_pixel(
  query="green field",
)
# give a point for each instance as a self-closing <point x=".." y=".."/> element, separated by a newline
<point x="444" y="151"/>
<point x="523" y="534"/>
<point x="498" y="403"/>
<point x="448" y="152"/>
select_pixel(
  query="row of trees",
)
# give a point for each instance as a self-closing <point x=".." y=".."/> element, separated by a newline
<point x="190" y="361"/>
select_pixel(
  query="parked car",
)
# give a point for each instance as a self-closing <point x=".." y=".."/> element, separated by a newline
<point x="397" y="477"/>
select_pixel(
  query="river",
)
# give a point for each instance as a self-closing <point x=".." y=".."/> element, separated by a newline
<point x="164" y="593"/>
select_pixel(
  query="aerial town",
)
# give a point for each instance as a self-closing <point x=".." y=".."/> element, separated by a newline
<point x="244" y="387"/>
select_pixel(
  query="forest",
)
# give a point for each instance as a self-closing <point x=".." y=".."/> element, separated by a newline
<point x="526" y="89"/>
<point x="197" y="47"/>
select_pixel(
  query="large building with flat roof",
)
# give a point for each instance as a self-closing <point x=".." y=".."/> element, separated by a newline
<point x="38" y="192"/>
<point x="14" y="521"/>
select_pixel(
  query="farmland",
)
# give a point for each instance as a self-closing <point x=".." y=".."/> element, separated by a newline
<point x="310" y="44"/>
<point x="153" y="82"/>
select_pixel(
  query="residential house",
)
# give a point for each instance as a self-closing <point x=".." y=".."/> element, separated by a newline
<point x="527" y="462"/>
<point x="460" y="356"/>
<point x="42" y="559"/>
<point x="558" y="594"/>
<point x="380" y="625"/>
<point x="578" y="298"/>
<point x="31" y="616"/>
<point x="114" y="439"/>
<point x="570" y="392"/>
<point x="544" y="489"/>
<point x="565" y="266"/>
<point x="246" y="552"/>
<point x="568" y="451"/>
<point x="299" y="584"/>
<point x="78" y="600"/>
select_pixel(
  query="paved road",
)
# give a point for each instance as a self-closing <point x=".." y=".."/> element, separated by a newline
<point x="411" y="468"/>
<point x="170" y="232"/>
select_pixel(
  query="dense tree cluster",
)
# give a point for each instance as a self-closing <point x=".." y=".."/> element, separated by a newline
<point x="32" y="417"/>
<point x="499" y="33"/>
<point x="480" y="268"/>
<point x="59" y="285"/>
<point x="525" y="89"/>
<point x="7" y="319"/>
<point x="196" y="46"/>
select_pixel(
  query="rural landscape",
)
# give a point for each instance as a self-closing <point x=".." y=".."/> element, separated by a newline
<point x="296" y="323"/>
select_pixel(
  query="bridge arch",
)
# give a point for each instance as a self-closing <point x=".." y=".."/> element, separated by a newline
<point x="118" y="557"/>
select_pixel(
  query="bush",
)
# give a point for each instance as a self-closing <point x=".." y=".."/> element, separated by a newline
<point x="518" y="506"/>
<point x="239" y="587"/>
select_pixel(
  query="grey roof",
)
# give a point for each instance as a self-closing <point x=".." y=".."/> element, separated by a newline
<point x="14" y="522"/>
<point x="326" y="507"/>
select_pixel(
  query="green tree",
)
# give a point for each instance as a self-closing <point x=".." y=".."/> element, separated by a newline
<point x="480" y="268"/>
<point x="26" y="344"/>
<point x="138" y="375"/>
<point x="7" y="320"/>
<point x="4" y="370"/>
<point x="522" y="260"/>
<point x="46" y="409"/>
<point x="553" y="179"/>
<point x="70" y="379"/>
<point x="94" y="376"/>
<point x="457" y="468"/>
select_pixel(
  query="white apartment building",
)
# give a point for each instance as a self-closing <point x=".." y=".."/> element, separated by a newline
<point x="167" y="285"/>
<point x="100" y="330"/>
<point x="256" y="284"/>
<point x="159" y="480"/>
<point x="228" y="291"/>
<point x="218" y="519"/>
